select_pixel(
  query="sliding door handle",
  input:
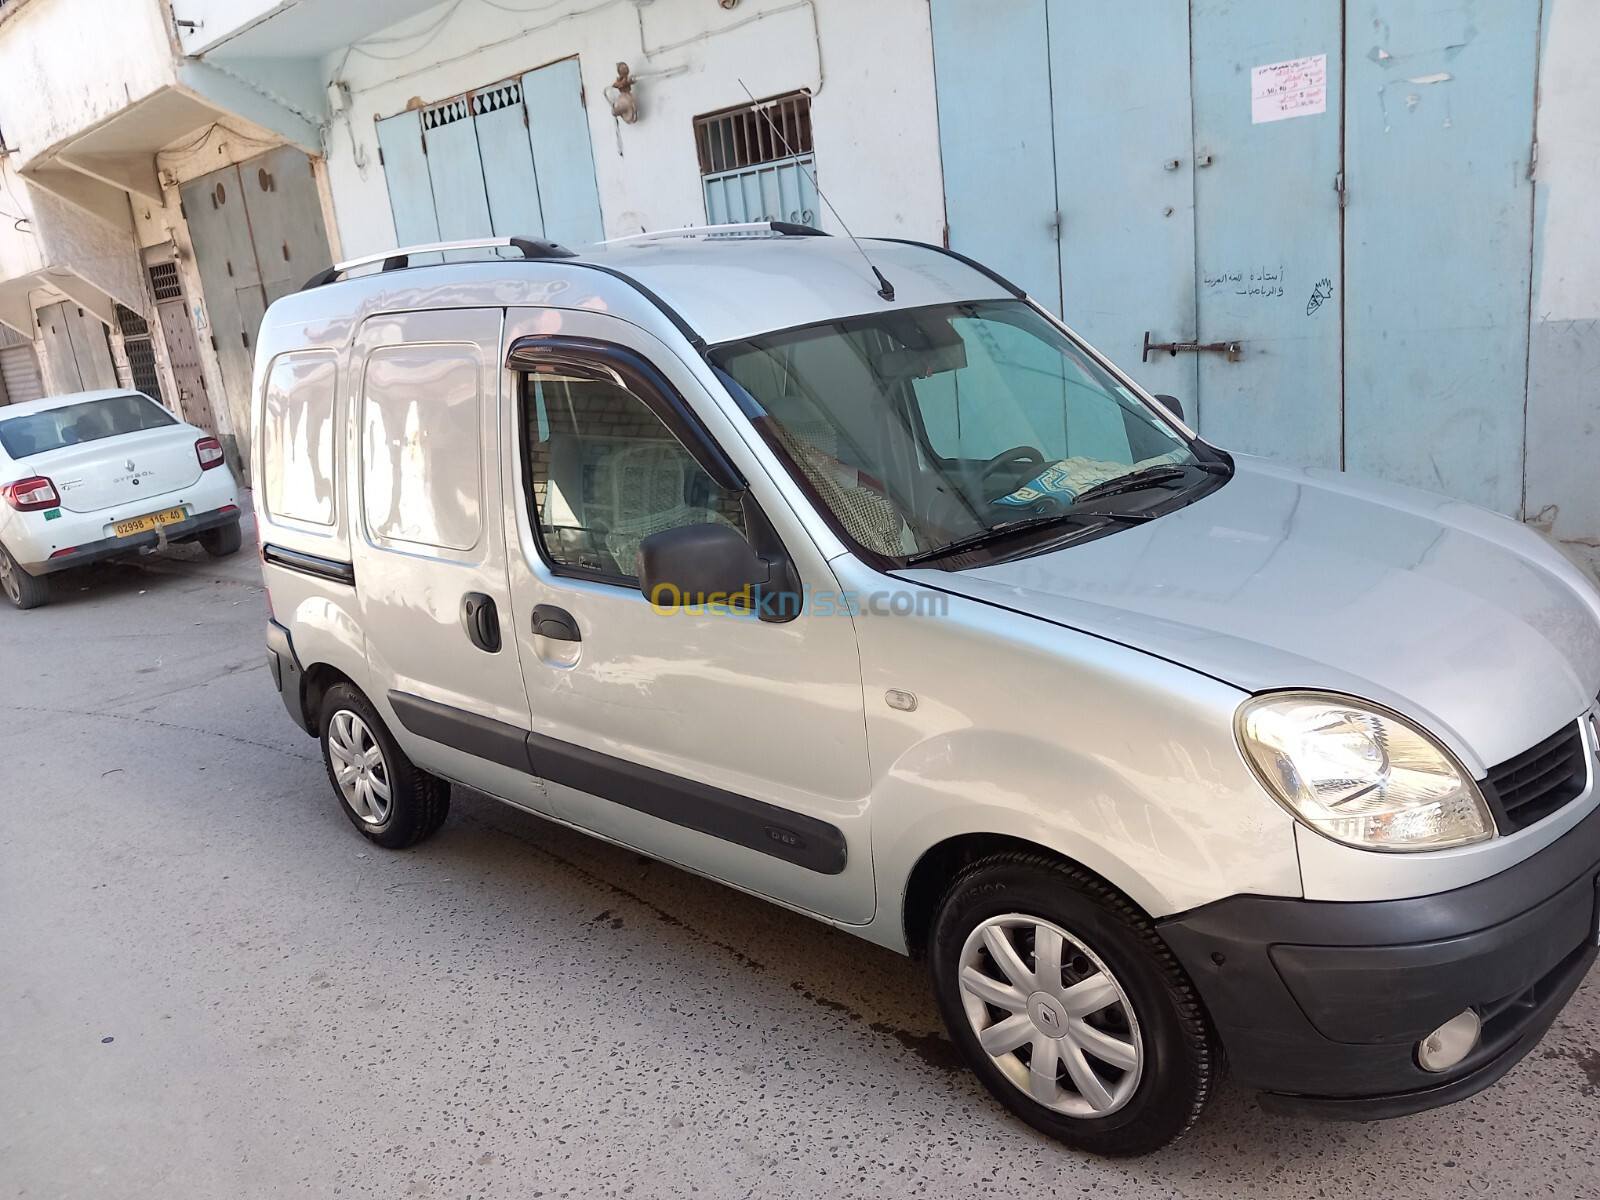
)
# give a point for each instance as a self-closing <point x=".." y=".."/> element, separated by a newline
<point x="557" y="624"/>
<point x="482" y="619"/>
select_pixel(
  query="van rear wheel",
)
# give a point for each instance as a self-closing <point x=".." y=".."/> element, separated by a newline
<point x="1064" y="1001"/>
<point x="386" y="796"/>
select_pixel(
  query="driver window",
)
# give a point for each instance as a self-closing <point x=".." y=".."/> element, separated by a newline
<point x="605" y="474"/>
<point x="1016" y="390"/>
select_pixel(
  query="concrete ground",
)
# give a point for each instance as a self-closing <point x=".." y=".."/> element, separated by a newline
<point x="211" y="986"/>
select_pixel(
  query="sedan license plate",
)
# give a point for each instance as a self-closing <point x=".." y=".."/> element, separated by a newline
<point x="146" y="523"/>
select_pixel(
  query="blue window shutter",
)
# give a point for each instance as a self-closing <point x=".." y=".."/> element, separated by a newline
<point x="558" y="131"/>
<point x="508" y="172"/>
<point x="405" y="169"/>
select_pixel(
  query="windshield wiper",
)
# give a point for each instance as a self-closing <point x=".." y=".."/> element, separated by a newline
<point x="983" y="537"/>
<point x="1158" y="475"/>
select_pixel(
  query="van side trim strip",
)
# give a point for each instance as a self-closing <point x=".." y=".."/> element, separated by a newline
<point x="793" y="837"/>
<point x="474" y="734"/>
<point x="332" y="569"/>
<point x="754" y="824"/>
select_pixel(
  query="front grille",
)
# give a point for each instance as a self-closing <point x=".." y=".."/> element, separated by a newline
<point x="1538" y="781"/>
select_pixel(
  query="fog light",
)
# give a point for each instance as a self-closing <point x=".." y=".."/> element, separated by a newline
<point x="1450" y="1043"/>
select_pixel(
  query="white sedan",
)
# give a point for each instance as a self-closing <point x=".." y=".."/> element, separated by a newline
<point x="92" y="475"/>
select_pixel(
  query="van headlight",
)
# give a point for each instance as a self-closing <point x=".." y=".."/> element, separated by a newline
<point x="1360" y="774"/>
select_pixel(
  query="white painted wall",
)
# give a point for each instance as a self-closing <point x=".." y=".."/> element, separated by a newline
<point x="1564" y="346"/>
<point x="67" y="65"/>
<point x="1568" y="172"/>
<point x="869" y="66"/>
<point x="19" y="239"/>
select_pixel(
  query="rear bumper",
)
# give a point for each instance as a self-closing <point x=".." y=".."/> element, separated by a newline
<point x="112" y="547"/>
<point x="287" y="675"/>
<point x="1321" y="1005"/>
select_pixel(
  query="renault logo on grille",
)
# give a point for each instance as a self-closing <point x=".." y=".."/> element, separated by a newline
<point x="129" y="466"/>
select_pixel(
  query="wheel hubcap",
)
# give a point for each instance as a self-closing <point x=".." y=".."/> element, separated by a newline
<point x="7" y="579"/>
<point x="358" y="767"/>
<point x="1051" y="1016"/>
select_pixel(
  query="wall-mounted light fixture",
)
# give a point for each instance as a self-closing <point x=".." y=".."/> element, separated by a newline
<point x="624" y="105"/>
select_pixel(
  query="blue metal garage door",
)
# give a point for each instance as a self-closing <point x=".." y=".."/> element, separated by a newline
<point x="1340" y="190"/>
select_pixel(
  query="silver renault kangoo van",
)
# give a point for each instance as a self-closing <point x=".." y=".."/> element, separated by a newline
<point x="850" y="577"/>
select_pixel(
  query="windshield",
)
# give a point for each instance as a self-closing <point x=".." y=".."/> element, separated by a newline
<point x="37" y="432"/>
<point x="924" y="429"/>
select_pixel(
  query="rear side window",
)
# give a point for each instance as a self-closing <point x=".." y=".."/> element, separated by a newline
<point x="297" y="438"/>
<point x="89" y="421"/>
<point x="421" y="445"/>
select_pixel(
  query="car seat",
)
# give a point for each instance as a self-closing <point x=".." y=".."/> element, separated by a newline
<point x="648" y="486"/>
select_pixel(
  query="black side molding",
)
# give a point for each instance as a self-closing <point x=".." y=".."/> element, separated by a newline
<point x="754" y="824"/>
<point x="742" y="820"/>
<point x="480" y="736"/>
<point x="332" y="569"/>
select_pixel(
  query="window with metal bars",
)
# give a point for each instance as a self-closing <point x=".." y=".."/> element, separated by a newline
<point x="752" y="134"/>
<point x="757" y="161"/>
<point x="141" y="351"/>
<point x="164" y="281"/>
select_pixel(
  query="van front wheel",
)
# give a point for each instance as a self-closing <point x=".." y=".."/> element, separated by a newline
<point x="387" y="797"/>
<point x="1065" y="1002"/>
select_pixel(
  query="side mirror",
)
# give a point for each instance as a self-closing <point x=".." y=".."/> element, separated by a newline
<point x="707" y="564"/>
<point x="1172" y="404"/>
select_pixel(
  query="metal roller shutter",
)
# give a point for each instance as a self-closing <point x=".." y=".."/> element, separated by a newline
<point x="19" y="375"/>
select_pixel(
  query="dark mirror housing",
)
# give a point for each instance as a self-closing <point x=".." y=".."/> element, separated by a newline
<point x="1172" y="404"/>
<point x="712" y="566"/>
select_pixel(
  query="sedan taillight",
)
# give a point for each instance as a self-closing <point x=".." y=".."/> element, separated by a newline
<point x="30" y="495"/>
<point x="209" y="451"/>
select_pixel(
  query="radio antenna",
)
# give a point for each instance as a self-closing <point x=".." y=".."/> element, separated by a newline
<point x="886" y="289"/>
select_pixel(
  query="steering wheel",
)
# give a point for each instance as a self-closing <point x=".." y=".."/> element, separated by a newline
<point x="1017" y="454"/>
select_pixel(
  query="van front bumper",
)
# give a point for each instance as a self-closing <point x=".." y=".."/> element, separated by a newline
<point x="1320" y="1005"/>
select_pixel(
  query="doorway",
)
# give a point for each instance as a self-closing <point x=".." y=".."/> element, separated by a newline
<point x="258" y="234"/>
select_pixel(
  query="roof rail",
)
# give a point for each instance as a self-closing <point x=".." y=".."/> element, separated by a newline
<point x="737" y="230"/>
<point x="394" y="260"/>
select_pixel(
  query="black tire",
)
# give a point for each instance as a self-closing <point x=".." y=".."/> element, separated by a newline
<point x="221" y="541"/>
<point x="418" y="802"/>
<point x="1179" y="1061"/>
<point x="22" y="589"/>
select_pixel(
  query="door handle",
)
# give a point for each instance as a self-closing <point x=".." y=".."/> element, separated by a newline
<point x="555" y="623"/>
<point x="482" y="619"/>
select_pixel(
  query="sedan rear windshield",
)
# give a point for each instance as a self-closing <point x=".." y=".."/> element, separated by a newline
<point x="39" y="432"/>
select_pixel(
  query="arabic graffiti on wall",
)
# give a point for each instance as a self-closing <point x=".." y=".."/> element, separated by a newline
<point x="1320" y="295"/>
<point x="1266" y="282"/>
